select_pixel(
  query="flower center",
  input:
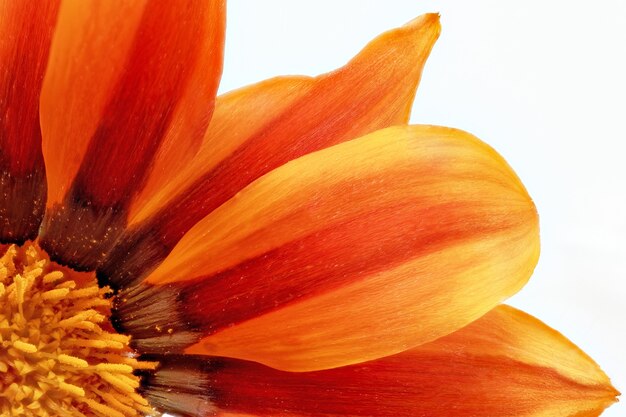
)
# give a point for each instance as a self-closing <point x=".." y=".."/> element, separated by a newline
<point x="59" y="356"/>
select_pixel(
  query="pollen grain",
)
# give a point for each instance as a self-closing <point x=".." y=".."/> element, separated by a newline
<point x="58" y="355"/>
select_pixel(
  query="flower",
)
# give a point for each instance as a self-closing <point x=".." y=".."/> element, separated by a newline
<point x="292" y="248"/>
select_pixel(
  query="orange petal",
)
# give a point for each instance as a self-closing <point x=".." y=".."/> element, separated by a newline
<point x="300" y="115"/>
<point x="91" y="49"/>
<point x="506" y="364"/>
<point x="332" y="258"/>
<point x="236" y="118"/>
<point x="131" y="81"/>
<point x="25" y="34"/>
<point x="91" y="46"/>
<point x="263" y="126"/>
<point x="194" y="111"/>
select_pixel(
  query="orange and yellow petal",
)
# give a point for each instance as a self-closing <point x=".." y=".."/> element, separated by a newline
<point x="261" y="127"/>
<point x="238" y="115"/>
<point x="126" y="82"/>
<point x="505" y="364"/>
<point x="25" y="35"/>
<point x="91" y="46"/>
<point x="331" y="259"/>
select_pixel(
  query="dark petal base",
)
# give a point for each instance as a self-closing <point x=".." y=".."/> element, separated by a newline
<point x="181" y="385"/>
<point x="22" y="206"/>
<point x="79" y="235"/>
<point x="155" y="318"/>
<point x="136" y="254"/>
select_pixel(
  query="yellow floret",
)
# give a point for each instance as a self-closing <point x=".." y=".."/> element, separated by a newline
<point x="56" y="359"/>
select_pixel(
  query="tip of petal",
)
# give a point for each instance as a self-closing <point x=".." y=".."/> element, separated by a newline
<point x="429" y="22"/>
<point x="609" y="397"/>
<point x="614" y="394"/>
<point x="608" y="393"/>
<point x="594" y="387"/>
<point x="432" y="18"/>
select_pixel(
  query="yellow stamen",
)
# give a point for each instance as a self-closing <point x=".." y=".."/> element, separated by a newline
<point x="55" y="294"/>
<point x="55" y="358"/>
<point x="114" y="367"/>
<point x="72" y="389"/>
<point x="52" y="277"/>
<point x="71" y="360"/>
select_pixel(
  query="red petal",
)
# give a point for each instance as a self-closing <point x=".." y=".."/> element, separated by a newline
<point x="25" y="34"/>
<point x="175" y="50"/>
<point x="305" y="267"/>
<point x="506" y="364"/>
<point x="373" y="91"/>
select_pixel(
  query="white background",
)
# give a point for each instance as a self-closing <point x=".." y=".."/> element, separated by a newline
<point x="541" y="81"/>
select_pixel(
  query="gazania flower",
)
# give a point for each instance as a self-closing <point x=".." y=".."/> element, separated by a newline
<point x="292" y="248"/>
